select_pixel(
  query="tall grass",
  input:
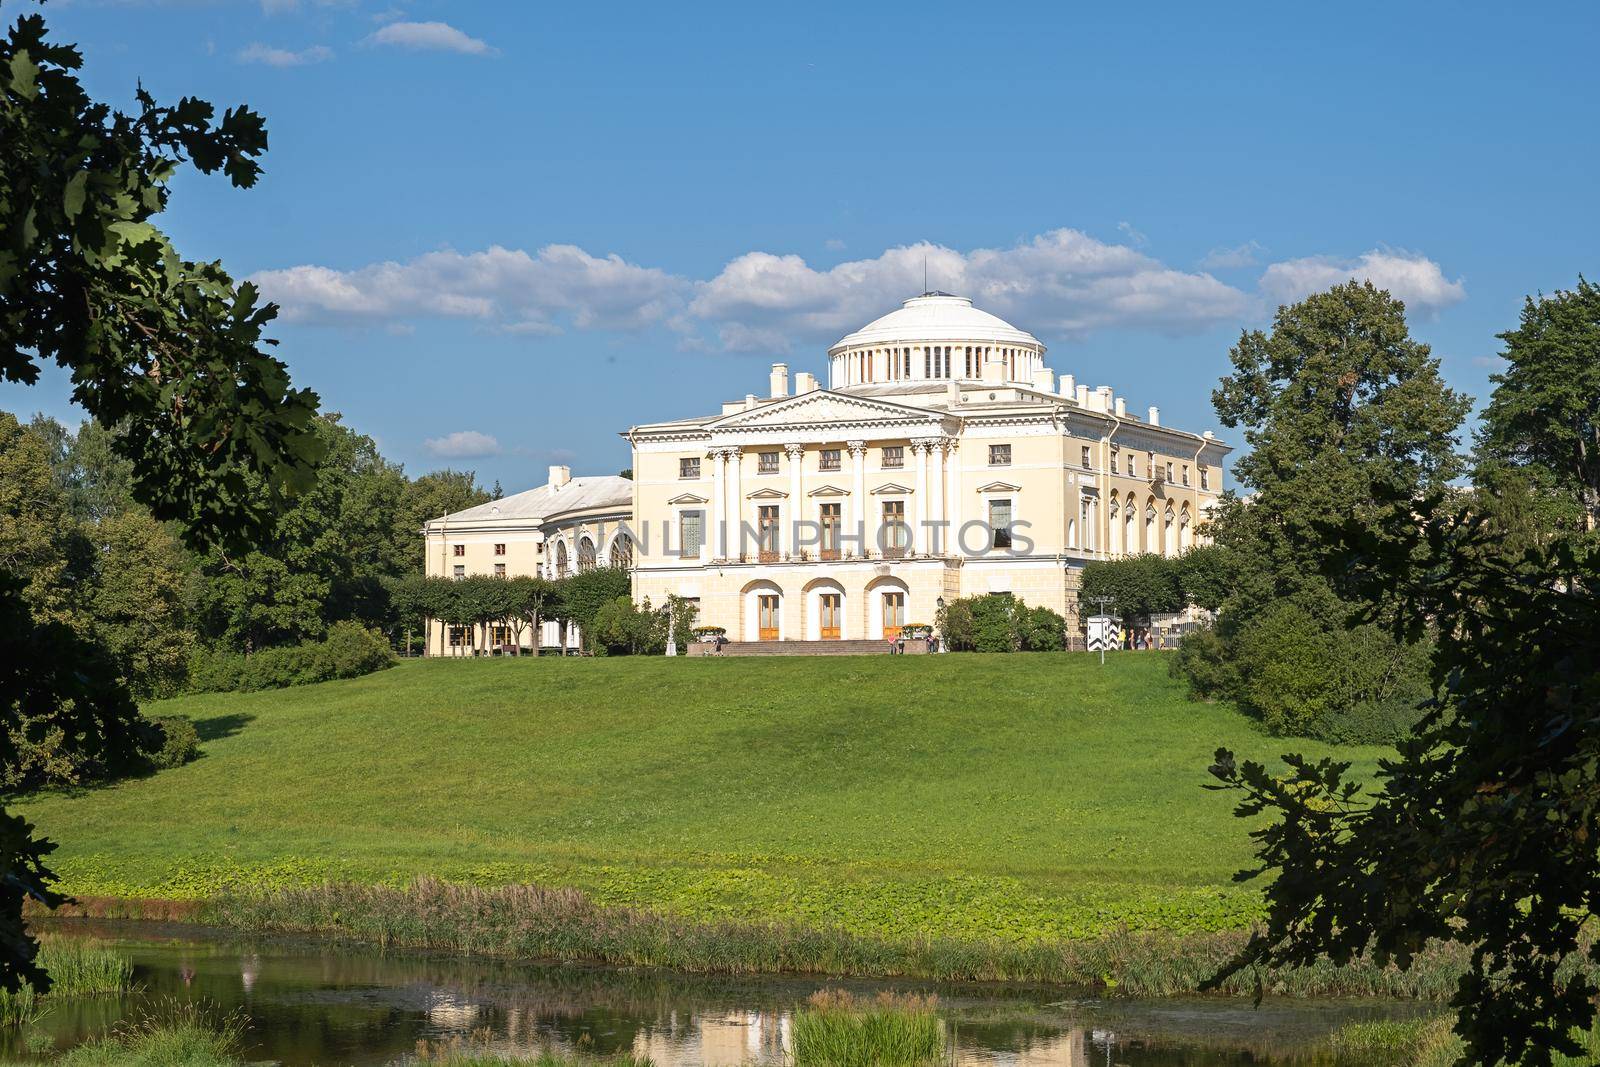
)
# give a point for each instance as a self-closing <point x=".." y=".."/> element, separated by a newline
<point x="565" y="924"/>
<point x="837" y="1029"/>
<point x="1426" y="1043"/>
<point x="171" y="1034"/>
<point x="78" y="967"/>
<point x="456" y="1053"/>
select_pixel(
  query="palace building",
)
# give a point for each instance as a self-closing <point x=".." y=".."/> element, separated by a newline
<point x="942" y="459"/>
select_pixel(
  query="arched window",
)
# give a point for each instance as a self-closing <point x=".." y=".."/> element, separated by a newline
<point x="586" y="553"/>
<point x="622" y="552"/>
<point x="561" y="558"/>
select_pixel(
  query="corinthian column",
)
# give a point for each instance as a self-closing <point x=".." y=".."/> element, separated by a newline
<point x="858" y="495"/>
<point x="919" y="532"/>
<point x="735" y="504"/>
<point x="795" y="453"/>
<point x="717" y="533"/>
<point x="952" y="496"/>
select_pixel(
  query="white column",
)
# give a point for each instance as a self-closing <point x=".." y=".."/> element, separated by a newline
<point x="858" y="495"/>
<point x="952" y="495"/>
<point x="715" y="532"/>
<point x="735" y="504"/>
<point x="919" y="531"/>
<point x="937" y="538"/>
<point x="795" y="453"/>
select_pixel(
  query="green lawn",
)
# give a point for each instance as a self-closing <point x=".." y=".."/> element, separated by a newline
<point x="1023" y="797"/>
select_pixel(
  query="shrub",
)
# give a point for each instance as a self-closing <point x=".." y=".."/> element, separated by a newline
<point x="349" y="651"/>
<point x="994" y="623"/>
<point x="1040" y="629"/>
<point x="999" y="622"/>
<point x="836" y="1029"/>
<point x="180" y="742"/>
<point x="620" y="628"/>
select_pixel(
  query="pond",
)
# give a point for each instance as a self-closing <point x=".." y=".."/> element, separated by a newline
<point x="322" y="1002"/>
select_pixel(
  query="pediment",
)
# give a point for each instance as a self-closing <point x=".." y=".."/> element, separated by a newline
<point x="999" y="487"/>
<point x="891" y="487"/>
<point x="826" y="406"/>
<point x="826" y="490"/>
<point x="765" y="494"/>
<point x="687" y="498"/>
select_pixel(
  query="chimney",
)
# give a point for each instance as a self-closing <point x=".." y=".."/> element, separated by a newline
<point x="1069" y="386"/>
<point x="751" y="400"/>
<point x="804" y="382"/>
<point x="952" y="394"/>
<point x="780" y="380"/>
<point x="1083" y="396"/>
<point x="560" y="475"/>
<point x="1045" y="380"/>
<point x="1122" y="408"/>
<point x="731" y="406"/>
<point x="1154" y="414"/>
<point x="1104" y="401"/>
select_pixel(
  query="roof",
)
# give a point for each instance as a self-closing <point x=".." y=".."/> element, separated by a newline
<point x="579" y="494"/>
<point x="937" y="317"/>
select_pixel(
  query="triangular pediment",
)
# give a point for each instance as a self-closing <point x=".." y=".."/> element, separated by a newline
<point x="826" y="406"/>
<point x="892" y="487"/>
<point x="687" y="498"/>
<point x="766" y="494"/>
<point x="826" y="490"/>
<point x="999" y="487"/>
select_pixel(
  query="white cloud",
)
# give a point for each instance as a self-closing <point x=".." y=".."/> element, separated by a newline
<point x="463" y="444"/>
<point x="1138" y="238"/>
<point x="1413" y="278"/>
<point x="282" y="57"/>
<point x="1063" y="281"/>
<point x="1245" y="255"/>
<point x="833" y="244"/>
<point x="503" y="288"/>
<point x="430" y="36"/>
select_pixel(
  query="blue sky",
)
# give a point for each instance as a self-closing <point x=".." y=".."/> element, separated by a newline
<point x="501" y="233"/>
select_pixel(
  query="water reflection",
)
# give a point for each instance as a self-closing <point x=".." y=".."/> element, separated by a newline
<point x="314" y="1002"/>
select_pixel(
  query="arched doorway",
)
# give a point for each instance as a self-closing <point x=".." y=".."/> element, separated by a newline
<point x="825" y="603"/>
<point x="888" y="601"/>
<point x="763" y="611"/>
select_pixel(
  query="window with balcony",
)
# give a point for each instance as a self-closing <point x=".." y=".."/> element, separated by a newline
<point x="896" y="532"/>
<point x="689" y="467"/>
<point x="828" y="459"/>
<point x="999" y="455"/>
<point x="1000" y="522"/>
<point x="767" y="533"/>
<point x="832" y="522"/>
<point x="894" y="456"/>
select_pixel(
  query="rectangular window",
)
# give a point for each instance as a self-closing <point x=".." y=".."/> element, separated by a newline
<point x="458" y="550"/>
<point x="1088" y="461"/>
<point x="894" y="456"/>
<point x="499" y="570"/>
<point x="691" y="533"/>
<point x="689" y="467"/>
<point x="458" y="636"/>
<point x="766" y="463"/>
<point x="896" y="534"/>
<point x="1169" y="470"/>
<point x="828" y="459"/>
<point x="458" y="571"/>
<point x="831" y="522"/>
<point x="1000" y="522"/>
<point x="767" y="532"/>
<point x="499" y="550"/>
<point x="1185" y="474"/>
<point x="1205" y="478"/>
<point x="1132" y="470"/>
<point x="999" y="455"/>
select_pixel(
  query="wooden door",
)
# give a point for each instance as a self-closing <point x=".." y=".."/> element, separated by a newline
<point x="830" y="604"/>
<point x="767" y="617"/>
<point x="894" y="614"/>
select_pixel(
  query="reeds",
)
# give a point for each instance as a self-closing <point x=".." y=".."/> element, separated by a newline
<point x="531" y="922"/>
<point x="476" y="1053"/>
<point x="172" y="1033"/>
<point x="1427" y="1042"/>
<point x="838" y="1029"/>
<point x="78" y="967"/>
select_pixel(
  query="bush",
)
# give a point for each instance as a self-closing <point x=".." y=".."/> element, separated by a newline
<point x="1040" y="629"/>
<point x="999" y="622"/>
<point x="349" y="651"/>
<point x="180" y="742"/>
<point x="620" y="628"/>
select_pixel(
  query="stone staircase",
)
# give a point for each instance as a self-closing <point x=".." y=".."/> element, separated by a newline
<point x="806" y="648"/>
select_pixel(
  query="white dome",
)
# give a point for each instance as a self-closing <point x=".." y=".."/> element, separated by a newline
<point x="937" y="317"/>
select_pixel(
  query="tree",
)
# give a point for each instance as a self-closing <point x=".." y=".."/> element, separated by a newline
<point x="1345" y="414"/>
<point x="1481" y="830"/>
<point x="1139" y="586"/>
<point x="583" y="594"/>
<point x="136" y="605"/>
<point x="167" y="350"/>
<point x="1542" y="423"/>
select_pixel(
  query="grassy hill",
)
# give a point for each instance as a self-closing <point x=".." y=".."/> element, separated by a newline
<point x="1027" y="797"/>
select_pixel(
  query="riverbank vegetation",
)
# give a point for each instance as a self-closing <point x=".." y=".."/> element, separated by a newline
<point x="836" y="1028"/>
<point x="78" y="967"/>
<point x="1020" y="798"/>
